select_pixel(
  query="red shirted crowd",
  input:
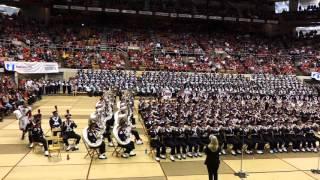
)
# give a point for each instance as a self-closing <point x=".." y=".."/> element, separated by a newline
<point x="92" y="47"/>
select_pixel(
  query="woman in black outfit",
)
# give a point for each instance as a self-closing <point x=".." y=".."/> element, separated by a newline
<point x="212" y="160"/>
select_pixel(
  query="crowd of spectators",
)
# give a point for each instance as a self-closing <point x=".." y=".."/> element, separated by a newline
<point x="28" y="91"/>
<point x="13" y="95"/>
<point x="87" y="47"/>
<point x="311" y="7"/>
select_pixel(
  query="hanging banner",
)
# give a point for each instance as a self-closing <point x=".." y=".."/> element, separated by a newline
<point x="31" y="67"/>
<point x="315" y="75"/>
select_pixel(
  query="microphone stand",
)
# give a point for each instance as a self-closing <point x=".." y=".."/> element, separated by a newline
<point x="241" y="174"/>
<point x="317" y="171"/>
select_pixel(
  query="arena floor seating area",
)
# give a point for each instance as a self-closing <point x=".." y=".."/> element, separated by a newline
<point x="17" y="161"/>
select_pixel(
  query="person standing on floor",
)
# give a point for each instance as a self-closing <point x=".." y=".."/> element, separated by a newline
<point x="212" y="160"/>
<point x="64" y="87"/>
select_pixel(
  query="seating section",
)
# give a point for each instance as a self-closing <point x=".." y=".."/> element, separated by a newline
<point x="138" y="49"/>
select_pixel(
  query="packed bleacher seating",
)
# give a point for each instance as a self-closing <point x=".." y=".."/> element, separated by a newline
<point x="111" y="48"/>
<point x="13" y="95"/>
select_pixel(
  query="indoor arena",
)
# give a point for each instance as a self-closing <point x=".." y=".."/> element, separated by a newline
<point x="160" y="89"/>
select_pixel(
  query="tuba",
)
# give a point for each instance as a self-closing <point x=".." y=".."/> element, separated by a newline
<point x="116" y="130"/>
<point x="86" y="139"/>
<point x="118" y="116"/>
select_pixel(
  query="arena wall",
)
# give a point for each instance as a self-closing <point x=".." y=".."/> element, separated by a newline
<point x="66" y="74"/>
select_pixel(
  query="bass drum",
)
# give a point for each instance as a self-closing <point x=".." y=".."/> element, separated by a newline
<point x="18" y="114"/>
<point x="23" y="122"/>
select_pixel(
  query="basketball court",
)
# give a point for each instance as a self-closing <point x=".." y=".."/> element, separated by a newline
<point x="17" y="161"/>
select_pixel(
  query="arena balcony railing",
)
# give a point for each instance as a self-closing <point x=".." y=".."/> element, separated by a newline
<point x="179" y="52"/>
<point x="5" y="41"/>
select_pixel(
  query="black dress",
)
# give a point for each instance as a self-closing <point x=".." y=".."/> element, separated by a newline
<point x="212" y="161"/>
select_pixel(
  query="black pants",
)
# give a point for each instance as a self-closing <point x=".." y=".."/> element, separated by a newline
<point x="128" y="147"/>
<point x="213" y="172"/>
<point x="30" y="137"/>
<point x="136" y="134"/>
<point x="41" y="140"/>
<point x="247" y="141"/>
<point x="311" y="140"/>
<point x="193" y="144"/>
<point x="234" y="141"/>
<point x="71" y="135"/>
<point x="107" y="133"/>
<point x="259" y="141"/>
<point x="279" y="140"/>
<point x="221" y="141"/>
<point x="156" y="144"/>
<point x="170" y="142"/>
<point x="102" y="148"/>
<point x="204" y="141"/>
<point x="133" y="120"/>
<point x="301" y="140"/>
<point x="291" y="138"/>
<point x="271" y="140"/>
<point x="181" y="144"/>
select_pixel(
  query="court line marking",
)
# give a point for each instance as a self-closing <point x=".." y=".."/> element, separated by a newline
<point x="298" y="168"/>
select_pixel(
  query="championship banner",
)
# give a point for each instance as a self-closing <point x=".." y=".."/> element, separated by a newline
<point x="31" y="67"/>
<point x="315" y="75"/>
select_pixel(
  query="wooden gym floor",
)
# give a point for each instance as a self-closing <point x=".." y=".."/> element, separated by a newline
<point x="17" y="161"/>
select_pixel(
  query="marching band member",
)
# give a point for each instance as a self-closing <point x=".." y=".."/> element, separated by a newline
<point x="38" y="136"/>
<point x="300" y="138"/>
<point x="268" y="137"/>
<point x="289" y="136"/>
<point x="231" y="138"/>
<point x="107" y="133"/>
<point x="31" y="123"/>
<point x="244" y="138"/>
<point x="310" y="137"/>
<point x="124" y="135"/>
<point x="22" y="115"/>
<point x="204" y="137"/>
<point x="68" y="132"/>
<point x="193" y="140"/>
<point x="124" y="115"/>
<point x="166" y="93"/>
<point x="155" y="141"/>
<point x="167" y="138"/>
<point x="278" y="137"/>
<point x="256" y="137"/>
<point x="101" y="103"/>
<point x="55" y="121"/>
<point x="181" y="139"/>
<point x="93" y="137"/>
<point x="218" y="132"/>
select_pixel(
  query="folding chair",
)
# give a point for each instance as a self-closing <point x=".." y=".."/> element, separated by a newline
<point x="92" y="152"/>
<point x="55" y="147"/>
<point x="36" y="147"/>
<point x="152" y="150"/>
<point x="72" y="143"/>
<point x="117" y="150"/>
